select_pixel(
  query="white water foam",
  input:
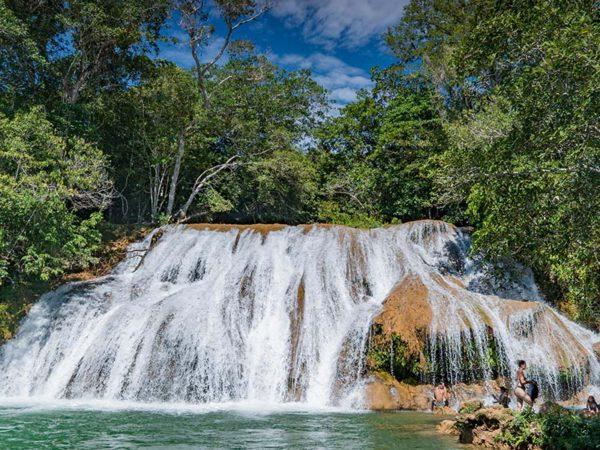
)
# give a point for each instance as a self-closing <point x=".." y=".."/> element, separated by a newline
<point x="249" y="318"/>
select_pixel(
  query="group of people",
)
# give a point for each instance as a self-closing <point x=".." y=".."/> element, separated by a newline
<point x="526" y="392"/>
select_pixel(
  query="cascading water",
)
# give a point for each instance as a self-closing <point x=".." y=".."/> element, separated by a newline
<point x="280" y="315"/>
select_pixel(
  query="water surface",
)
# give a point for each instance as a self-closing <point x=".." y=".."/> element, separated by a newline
<point x="45" y="426"/>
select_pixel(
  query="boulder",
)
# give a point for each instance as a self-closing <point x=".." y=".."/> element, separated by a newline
<point x="447" y="427"/>
<point x="483" y="426"/>
<point x="470" y="407"/>
<point x="407" y="313"/>
<point x="383" y="392"/>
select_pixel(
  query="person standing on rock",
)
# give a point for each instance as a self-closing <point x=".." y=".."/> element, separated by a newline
<point x="520" y="391"/>
<point x="591" y="407"/>
<point x="440" y="396"/>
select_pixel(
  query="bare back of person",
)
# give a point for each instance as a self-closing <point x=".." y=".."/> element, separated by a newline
<point x="520" y="391"/>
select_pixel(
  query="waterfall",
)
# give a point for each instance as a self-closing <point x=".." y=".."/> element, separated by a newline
<point x="276" y="314"/>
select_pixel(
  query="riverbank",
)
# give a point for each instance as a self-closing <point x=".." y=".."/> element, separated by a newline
<point x="553" y="427"/>
<point x="17" y="297"/>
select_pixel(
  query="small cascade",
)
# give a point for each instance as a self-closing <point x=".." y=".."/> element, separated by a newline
<point x="479" y="326"/>
<point x="277" y="314"/>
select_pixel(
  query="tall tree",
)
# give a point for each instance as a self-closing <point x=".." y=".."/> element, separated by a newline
<point x="377" y="156"/>
<point x="86" y="45"/>
<point x="196" y="20"/>
<point x="524" y="136"/>
<point x="49" y="191"/>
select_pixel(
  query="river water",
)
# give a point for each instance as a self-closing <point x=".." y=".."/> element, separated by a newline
<point x="108" y="425"/>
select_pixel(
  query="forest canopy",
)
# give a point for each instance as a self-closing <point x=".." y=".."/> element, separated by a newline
<point x="488" y="117"/>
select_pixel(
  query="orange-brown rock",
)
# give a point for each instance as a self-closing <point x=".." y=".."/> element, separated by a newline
<point x="262" y="228"/>
<point x="447" y="427"/>
<point x="483" y="426"/>
<point x="383" y="392"/>
<point x="110" y="254"/>
<point x="258" y="227"/>
<point x="444" y="411"/>
<point x="407" y="312"/>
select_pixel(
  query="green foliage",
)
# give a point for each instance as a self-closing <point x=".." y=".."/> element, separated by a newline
<point x="522" y="432"/>
<point x="390" y="354"/>
<point x="566" y="430"/>
<point x="470" y="407"/>
<point x="376" y="159"/>
<point x="258" y="114"/>
<point x="45" y="181"/>
<point x="66" y="50"/>
<point x="521" y="92"/>
<point x="283" y="188"/>
<point x="17" y="52"/>
<point x="556" y="429"/>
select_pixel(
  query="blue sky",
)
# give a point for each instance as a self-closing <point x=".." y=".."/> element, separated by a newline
<point x="339" y="40"/>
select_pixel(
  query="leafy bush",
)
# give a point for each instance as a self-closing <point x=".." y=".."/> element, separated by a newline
<point x="567" y="430"/>
<point x="393" y="356"/>
<point x="557" y="429"/>
<point x="522" y="432"/>
<point x="48" y="187"/>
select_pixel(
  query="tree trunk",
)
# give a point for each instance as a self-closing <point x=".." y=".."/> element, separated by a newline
<point x="202" y="181"/>
<point x="176" y="169"/>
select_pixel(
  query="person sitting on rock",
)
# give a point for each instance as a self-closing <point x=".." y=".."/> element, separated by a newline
<point x="592" y="406"/>
<point x="502" y="399"/>
<point x="440" y="396"/>
<point x="520" y="390"/>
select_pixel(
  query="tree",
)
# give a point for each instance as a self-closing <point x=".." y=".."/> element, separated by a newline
<point x="377" y="156"/>
<point x="281" y="188"/>
<point x="163" y="107"/>
<point x="48" y="185"/>
<point x="86" y="45"/>
<point x="195" y="20"/>
<point x="19" y="58"/>
<point x="521" y="102"/>
<point x="260" y="110"/>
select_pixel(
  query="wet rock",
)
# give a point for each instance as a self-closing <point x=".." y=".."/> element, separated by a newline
<point x="407" y="313"/>
<point x="383" y="392"/>
<point x="551" y="407"/>
<point x="470" y="407"/>
<point x="483" y="426"/>
<point x="443" y="411"/>
<point x="448" y="427"/>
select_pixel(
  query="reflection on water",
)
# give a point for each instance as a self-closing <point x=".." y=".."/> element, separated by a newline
<point x="26" y="427"/>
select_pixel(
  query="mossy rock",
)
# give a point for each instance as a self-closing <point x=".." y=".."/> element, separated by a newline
<point x="470" y="407"/>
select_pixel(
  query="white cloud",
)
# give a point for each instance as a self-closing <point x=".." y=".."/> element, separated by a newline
<point x="345" y="23"/>
<point x="342" y="80"/>
<point x="343" y="95"/>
